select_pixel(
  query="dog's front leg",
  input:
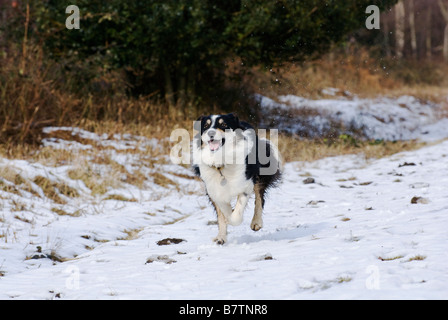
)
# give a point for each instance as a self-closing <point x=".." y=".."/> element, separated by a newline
<point x="237" y="215"/>
<point x="223" y="213"/>
<point x="221" y="238"/>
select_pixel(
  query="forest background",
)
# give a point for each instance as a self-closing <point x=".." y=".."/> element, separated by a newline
<point x="157" y="64"/>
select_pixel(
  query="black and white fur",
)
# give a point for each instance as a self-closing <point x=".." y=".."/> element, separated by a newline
<point x="234" y="163"/>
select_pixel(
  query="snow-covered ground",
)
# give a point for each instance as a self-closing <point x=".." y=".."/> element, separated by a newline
<point x="352" y="234"/>
<point x="402" y="118"/>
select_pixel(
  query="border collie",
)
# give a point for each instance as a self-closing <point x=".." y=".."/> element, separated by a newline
<point x="234" y="163"/>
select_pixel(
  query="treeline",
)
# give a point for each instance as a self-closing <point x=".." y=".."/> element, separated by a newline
<point x="416" y="29"/>
<point x="139" y="59"/>
<point x="180" y="50"/>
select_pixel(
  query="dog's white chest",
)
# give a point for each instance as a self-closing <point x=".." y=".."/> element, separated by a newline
<point x="225" y="184"/>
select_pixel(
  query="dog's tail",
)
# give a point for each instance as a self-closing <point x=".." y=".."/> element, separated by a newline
<point x="277" y="156"/>
<point x="271" y="170"/>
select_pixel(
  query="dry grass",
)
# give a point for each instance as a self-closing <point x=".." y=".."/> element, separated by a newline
<point x="44" y="93"/>
<point x="94" y="180"/>
<point x="120" y="197"/>
<point x="162" y="180"/>
<point x="62" y="212"/>
<point x="53" y="190"/>
<point x="357" y="71"/>
<point x="390" y="258"/>
<point x="417" y="258"/>
<point x="53" y="256"/>
<point x="296" y="149"/>
<point x="13" y="182"/>
<point x="131" y="234"/>
<point x="97" y="166"/>
<point x="11" y="175"/>
<point x="29" y="98"/>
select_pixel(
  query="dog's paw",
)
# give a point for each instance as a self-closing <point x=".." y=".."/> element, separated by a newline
<point x="220" y="240"/>
<point x="235" y="219"/>
<point x="256" y="225"/>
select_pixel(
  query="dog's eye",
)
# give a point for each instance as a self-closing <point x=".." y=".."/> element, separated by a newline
<point x="206" y="125"/>
<point x="223" y="125"/>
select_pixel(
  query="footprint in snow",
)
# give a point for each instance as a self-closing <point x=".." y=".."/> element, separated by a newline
<point x="164" y="259"/>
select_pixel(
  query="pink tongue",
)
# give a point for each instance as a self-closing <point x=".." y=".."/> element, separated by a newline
<point x="214" y="145"/>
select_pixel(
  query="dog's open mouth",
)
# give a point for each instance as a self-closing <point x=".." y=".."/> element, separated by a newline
<point x="215" y="144"/>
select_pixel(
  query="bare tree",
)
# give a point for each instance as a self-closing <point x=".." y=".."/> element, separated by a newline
<point x="412" y="28"/>
<point x="385" y="28"/>
<point x="399" y="29"/>
<point x="444" y="11"/>
<point x="428" y="43"/>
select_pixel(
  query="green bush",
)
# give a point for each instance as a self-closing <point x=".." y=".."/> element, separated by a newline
<point x="179" y="49"/>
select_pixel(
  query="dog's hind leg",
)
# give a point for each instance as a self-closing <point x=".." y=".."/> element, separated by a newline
<point x="257" y="220"/>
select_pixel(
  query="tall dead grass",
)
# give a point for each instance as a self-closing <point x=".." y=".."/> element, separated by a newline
<point x="357" y="71"/>
<point x="28" y="99"/>
<point x="36" y="92"/>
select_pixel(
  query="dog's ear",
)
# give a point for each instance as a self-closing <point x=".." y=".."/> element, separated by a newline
<point x="200" y="118"/>
<point x="235" y="118"/>
<point x="240" y="124"/>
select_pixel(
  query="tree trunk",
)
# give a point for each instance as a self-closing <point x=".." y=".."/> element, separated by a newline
<point x="386" y="38"/>
<point x="445" y="44"/>
<point x="191" y="92"/>
<point x="182" y="91"/>
<point x="399" y="29"/>
<point x="169" y="93"/>
<point x="428" y="34"/>
<point x="444" y="11"/>
<point x="412" y="29"/>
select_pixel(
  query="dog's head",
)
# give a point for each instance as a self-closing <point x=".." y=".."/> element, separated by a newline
<point x="222" y="139"/>
<point x="217" y="129"/>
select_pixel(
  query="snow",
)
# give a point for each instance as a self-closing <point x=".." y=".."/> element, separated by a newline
<point x="402" y="118"/>
<point x="352" y="234"/>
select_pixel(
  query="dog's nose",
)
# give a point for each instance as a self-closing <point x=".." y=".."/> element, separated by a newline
<point x="211" y="133"/>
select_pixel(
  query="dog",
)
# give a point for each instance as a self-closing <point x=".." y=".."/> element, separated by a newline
<point x="234" y="163"/>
